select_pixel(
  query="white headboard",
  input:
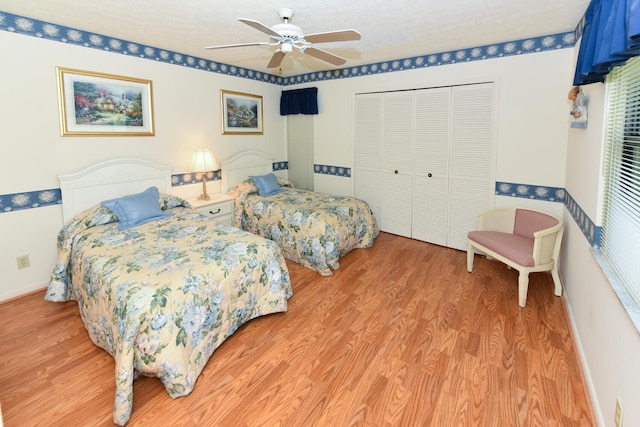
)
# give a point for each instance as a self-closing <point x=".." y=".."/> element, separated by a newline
<point x="110" y="179"/>
<point x="239" y="167"/>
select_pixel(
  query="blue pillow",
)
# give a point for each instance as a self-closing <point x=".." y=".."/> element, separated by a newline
<point x="267" y="184"/>
<point x="137" y="209"/>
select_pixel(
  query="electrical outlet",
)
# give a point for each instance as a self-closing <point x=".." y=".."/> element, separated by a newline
<point x="23" y="262"/>
<point x="618" y="413"/>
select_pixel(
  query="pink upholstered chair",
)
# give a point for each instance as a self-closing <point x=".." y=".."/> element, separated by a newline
<point x="525" y="239"/>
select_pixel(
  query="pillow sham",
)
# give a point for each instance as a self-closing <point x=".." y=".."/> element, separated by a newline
<point x="136" y="209"/>
<point x="284" y="183"/>
<point x="169" y="201"/>
<point x="267" y="184"/>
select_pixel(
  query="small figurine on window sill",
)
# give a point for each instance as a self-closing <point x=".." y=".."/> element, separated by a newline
<point x="578" y="108"/>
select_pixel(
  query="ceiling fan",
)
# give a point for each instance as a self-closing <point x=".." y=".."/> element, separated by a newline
<point x="289" y="36"/>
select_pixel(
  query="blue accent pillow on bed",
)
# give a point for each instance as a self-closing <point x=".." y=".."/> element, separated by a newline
<point x="267" y="184"/>
<point x="137" y="209"/>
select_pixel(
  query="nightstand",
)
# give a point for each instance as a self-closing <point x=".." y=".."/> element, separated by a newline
<point x="219" y="207"/>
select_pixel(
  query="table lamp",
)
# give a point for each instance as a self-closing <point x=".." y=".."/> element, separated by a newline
<point x="203" y="162"/>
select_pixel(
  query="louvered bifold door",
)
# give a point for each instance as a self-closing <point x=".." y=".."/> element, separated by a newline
<point x="397" y="154"/>
<point x="368" y="151"/>
<point x="471" y="159"/>
<point x="431" y="165"/>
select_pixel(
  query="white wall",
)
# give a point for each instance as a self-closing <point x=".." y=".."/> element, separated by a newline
<point x="608" y="341"/>
<point x="187" y="116"/>
<point x="532" y="117"/>
<point x="532" y="148"/>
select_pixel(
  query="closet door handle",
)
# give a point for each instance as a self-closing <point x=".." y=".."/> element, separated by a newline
<point x="429" y="174"/>
<point x="396" y="171"/>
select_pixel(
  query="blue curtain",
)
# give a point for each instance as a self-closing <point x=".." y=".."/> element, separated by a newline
<point x="299" y="101"/>
<point x="611" y="36"/>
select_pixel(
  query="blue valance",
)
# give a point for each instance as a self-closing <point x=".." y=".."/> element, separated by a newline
<point x="611" y="36"/>
<point x="299" y="101"/>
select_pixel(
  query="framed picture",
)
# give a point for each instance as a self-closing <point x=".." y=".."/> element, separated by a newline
<point x="241" y="113"/>
<point x="104" y="104"/>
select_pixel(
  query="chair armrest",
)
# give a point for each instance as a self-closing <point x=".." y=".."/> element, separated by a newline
<point x="546" y="244"/>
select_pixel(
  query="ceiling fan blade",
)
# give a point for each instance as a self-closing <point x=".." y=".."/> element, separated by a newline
<point x="260" y="27"/>
<point x="324" y="55"/>
<point x="333" y="36"/>
<point x="223" y="46"/>
<point x="276" y="59"/>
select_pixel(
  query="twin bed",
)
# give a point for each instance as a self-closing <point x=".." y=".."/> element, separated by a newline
<point x="312" y="229"/>
<point x="160" y="287"/>
<point x="160" y="296"/>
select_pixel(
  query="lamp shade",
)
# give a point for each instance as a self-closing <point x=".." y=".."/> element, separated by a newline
<point x="203" y="161"/>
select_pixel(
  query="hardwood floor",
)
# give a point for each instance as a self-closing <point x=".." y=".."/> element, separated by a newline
<point x="400" y="335"/>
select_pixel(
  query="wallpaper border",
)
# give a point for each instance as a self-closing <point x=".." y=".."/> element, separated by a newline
<point x="188" y="178"/>
<point x="332" y="170"/>
<point x="50" y="31"/>
<point x="30" y="200"/>
<point x="41" y="198"/>
<point x="497" y="50"/>
<point x="590" y="230"/>
<point x="527" y="191"/>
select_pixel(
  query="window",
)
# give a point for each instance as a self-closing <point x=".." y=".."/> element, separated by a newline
<point x="620" y="234"/>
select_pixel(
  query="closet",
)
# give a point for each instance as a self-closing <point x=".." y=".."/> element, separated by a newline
<point x="424" y="160"/>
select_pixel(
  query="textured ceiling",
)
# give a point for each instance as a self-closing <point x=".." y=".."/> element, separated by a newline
<point x="391" y="29"/>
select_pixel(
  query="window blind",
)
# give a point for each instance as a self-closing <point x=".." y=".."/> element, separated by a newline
<point x="620" y="234"/>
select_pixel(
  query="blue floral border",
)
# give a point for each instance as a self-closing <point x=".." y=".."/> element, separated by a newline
<point x="193" y="178"/>
<point x="45" y="30"/>
<point x="526" y="191"/>
<point x="332" y="170"/>
<point x="280" y="166"/>
<point x="30" y="200"/>
<point x="49" y="31"/>
<point x="35" y="199"/>
<point x="499" y="50"/>
<point x="587" y="226"/>
<point x="41" y="198"/>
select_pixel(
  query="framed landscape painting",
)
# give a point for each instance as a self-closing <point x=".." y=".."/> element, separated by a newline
<point x="104" y="104"/>
<point x="241" y="113"/>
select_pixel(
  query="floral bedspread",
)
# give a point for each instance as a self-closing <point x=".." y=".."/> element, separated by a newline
<point x="162" y="296"/>
<point x="312" y="229"/>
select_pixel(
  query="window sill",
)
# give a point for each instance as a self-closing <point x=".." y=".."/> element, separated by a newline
<point x="629" y="304"/>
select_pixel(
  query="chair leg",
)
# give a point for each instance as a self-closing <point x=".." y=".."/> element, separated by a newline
<point x="523" y="287"/>
<point x="556" y="281"/>
<point x="470" y="255"/>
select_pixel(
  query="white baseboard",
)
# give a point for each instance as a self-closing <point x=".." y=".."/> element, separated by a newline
<point x="585" y="367"/>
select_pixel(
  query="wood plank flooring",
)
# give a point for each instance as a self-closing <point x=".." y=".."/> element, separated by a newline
<point x="400" y="335"/>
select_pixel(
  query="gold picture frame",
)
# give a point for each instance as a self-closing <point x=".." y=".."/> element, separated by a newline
<point x="99" y="104"/>
<point x="241" y="113"/>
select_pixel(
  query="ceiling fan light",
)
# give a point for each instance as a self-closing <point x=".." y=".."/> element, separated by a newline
<point x="286" y="47"/>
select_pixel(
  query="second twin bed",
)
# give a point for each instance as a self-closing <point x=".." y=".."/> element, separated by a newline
<point x="313" y="229"/>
